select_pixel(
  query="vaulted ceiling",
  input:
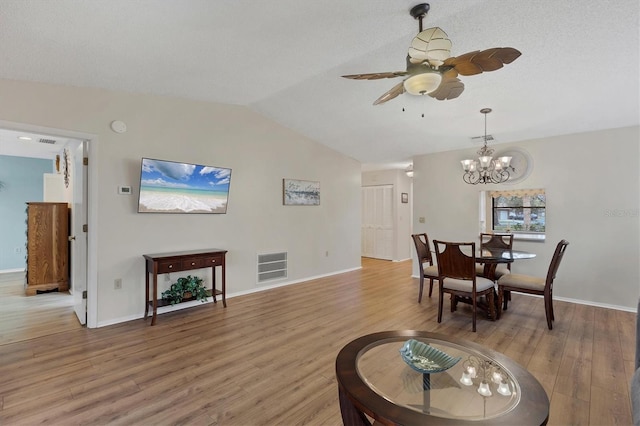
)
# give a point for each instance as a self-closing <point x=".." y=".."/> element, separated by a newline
<point x="579" y="70"/>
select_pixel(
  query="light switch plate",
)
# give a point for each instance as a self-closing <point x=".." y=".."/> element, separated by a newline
<point x="124" y="190"/>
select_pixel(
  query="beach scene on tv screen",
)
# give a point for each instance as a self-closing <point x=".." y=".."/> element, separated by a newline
<point x="172" y="187"/>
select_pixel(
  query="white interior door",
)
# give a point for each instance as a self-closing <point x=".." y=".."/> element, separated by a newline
<point x="377" y="222"/>
<point x="78" y="236"/>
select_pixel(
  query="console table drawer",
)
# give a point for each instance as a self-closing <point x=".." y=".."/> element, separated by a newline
<point x="213" y="260"/>
<point x="166" y="267"/>
<point x="194" y="263"/>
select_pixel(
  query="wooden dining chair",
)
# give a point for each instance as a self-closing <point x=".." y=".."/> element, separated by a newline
<point x="425" y="261"/>
<point x="496" y="240"/>
<point x="533" y="285"/>
<point x="457" y="276"/>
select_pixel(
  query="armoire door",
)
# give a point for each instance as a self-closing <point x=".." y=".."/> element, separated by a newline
<point x="47" y="247"/>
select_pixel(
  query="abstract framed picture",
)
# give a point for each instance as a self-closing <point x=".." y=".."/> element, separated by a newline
<point x="300" y="192"/>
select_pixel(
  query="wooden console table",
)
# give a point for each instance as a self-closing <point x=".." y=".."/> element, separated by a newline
<point x="163" y="263"/>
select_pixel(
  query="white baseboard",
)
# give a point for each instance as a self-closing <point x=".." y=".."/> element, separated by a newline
<point x="189" y="304"/>
<point x="12" y="275"/>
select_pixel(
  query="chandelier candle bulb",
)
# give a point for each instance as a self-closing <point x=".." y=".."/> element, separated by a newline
<point x="503" y="389"/>
<point x="466" y="379"/>
<point x="504" y="161"/>
<point x="483" y="389"/>
<point x="472" y="371"/>
<point x="485" y="161"/>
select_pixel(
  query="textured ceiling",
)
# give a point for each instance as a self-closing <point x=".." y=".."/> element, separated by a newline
<point x="579" y="70"/>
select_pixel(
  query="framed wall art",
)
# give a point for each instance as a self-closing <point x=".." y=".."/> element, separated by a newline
<point x="300" y="192"/>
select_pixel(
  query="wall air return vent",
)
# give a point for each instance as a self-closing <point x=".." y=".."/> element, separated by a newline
<point x="272" y="266"/>
<point x="49" y="141"/>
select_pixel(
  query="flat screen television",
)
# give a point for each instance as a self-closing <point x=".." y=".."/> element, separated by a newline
<point x="172" y="187"/>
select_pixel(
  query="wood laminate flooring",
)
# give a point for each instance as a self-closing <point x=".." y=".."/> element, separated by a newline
<point x="268" y="358"/>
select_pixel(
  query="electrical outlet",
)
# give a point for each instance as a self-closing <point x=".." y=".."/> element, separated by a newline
<point x="421" y="219"/>
<point x="117" y="283"/>
<point x="17" y="250"/>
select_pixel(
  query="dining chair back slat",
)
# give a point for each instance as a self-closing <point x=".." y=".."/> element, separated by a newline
<point x="497" y="240"/>
<point x="425" y="262"/>
<point x="453" y="262"/>
<point x="555" y="261"/>
<point x="493" y="241"/>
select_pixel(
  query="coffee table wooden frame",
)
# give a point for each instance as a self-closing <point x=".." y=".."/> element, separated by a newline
<point x="357" y="398"/>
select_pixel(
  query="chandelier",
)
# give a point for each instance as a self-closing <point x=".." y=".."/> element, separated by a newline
<point x="486" y="169"/>
<point x="486" y="375"/>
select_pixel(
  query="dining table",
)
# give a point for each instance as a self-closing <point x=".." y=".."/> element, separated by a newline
<point x="491" y="257"/>
<point x="441" y="380"/>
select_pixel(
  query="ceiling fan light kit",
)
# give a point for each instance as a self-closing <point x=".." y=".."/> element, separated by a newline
<point x="431" y="70"/>
<point x="422" y="84"/>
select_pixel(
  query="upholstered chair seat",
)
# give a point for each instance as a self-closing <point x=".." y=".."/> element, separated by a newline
<point x="523" y="281"/>
<point x="430" y="271"/>
<point x="540" y="286"/>
<point x="482" y="284"/>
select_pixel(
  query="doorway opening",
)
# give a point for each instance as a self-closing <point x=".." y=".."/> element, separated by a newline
<point x="78" y="186"/>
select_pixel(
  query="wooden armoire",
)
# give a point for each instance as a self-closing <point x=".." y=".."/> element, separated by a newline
<point x="47" y="247"/>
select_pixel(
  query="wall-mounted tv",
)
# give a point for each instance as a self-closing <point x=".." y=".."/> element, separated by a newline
<point x="172" y="187"/>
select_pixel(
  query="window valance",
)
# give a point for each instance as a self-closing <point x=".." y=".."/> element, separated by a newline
<point x="515" y="192"/>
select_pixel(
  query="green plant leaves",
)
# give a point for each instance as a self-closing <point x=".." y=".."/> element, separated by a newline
<point x="189" y="284"/>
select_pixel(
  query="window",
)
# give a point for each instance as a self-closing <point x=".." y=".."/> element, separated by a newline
<point x="521" y="211"/>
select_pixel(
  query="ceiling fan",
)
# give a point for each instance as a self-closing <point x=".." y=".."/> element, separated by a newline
<point x="430" y="69"/>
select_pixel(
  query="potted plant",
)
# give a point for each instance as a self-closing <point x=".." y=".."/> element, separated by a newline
<point x="186" y="288"/>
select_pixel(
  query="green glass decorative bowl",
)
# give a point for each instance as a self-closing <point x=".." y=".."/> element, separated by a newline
<point x="425" y="358"/>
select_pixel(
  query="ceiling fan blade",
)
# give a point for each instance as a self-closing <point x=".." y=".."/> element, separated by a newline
<point x="450" y="73"/>
<point x="450" y="88"/>
<point x="507" y="54"/>
<point x="455" y="60"/>
<point x="432" y="45"/>
<point x="477" y="62"/>
<point x="396" y="90"/>
<point x="376" y="75"/>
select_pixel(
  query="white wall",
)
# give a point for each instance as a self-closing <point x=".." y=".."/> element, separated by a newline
<point x="260" y="154"/>
<point x="402" y="248"/>
<point x="592" y="186"/>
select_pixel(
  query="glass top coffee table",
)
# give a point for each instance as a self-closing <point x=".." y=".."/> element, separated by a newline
<point x="482" y="387"/>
